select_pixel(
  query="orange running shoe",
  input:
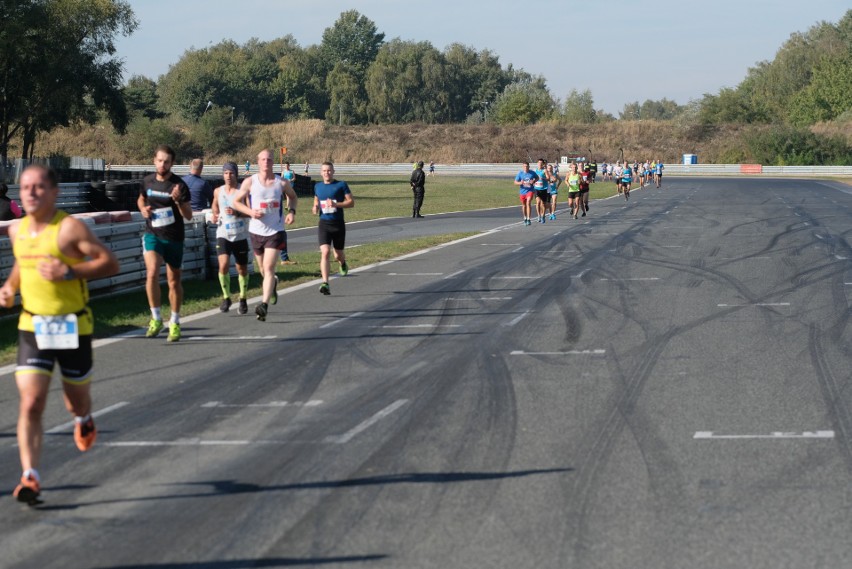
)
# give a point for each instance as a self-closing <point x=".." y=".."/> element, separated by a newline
<point x="85" y="434"/>
<point x="28" y="490"/>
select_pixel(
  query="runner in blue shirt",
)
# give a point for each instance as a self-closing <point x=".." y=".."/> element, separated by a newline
<point x="525" y="179"/>
<point x="331" y="197"/>
<point x="290" y="176"/>
<point x="658" y="173"/>
<point x="626" y="179"/>
<point x="541" y="187"/>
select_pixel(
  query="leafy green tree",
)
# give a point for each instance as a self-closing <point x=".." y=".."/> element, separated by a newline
<point x="348" y="104"/>
<point x="58" y="65"/>
<point x="474" y="79"/>
<point x="140" y="97"/>
<point x="144" y="134"/>
<point x="407" y="83"/>
<point x="579" y="107"/>
<point x="353" y="39"/>
<point x="246" y="77"/>
<point x="523" y="102"/>
<point x="829" y="94"/>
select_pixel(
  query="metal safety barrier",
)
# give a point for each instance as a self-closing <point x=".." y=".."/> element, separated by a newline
<point x="510" y="169"/>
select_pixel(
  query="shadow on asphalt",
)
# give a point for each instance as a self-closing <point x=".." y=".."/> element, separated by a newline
<point x="221" y="488"/>
<point x="242" y="563"/>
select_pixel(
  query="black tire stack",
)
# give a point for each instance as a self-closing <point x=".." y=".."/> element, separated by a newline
<point x="121" y="195"/>
<point x="303" y="186"/>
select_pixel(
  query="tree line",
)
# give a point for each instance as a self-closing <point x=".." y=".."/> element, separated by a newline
<point x="355" y="76"/>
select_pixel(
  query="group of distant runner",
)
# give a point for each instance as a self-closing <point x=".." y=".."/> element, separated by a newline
<point x="56" y="255"/>
<point x="542" y="184"/>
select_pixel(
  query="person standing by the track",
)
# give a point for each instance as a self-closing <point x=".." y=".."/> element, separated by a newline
<point x="164" y="201"/>
<point x="593" y="169"/>
<point x="55" y="256"/>
<point x="542" y="195"/>
<point x="525" y="180"/>
<point x="331" y="197"/>
<point x="418" y="187"/>
<point x="200" y="190"/>
<point x="658" y="173"/>
<point x="231" y="239"/>
<point x="289" y="175"/>
<point x="266" y="192"/>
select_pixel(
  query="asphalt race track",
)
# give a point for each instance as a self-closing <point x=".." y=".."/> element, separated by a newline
<point x="662" y="384"/>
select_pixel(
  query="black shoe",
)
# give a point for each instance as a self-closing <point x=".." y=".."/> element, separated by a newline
<point x="325" y="289"/>
<point x="225" y="306"/>
<point x="260" y="311"/>
<point x="243" y="309"/>
<point x="413" y="215"/>
<point x="418" y="216"/>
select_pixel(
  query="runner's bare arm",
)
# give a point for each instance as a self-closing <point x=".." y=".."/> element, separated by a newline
<point x="348" y="201"/>
<point x="10" y="287"/>
<point x="215" y="205"/>
<point x="184" y="207"/>
<point x="292" y="201"/>
<point x="77" y="241"/>
<point x="239" y="202"/>
<point x="143" y="206"/>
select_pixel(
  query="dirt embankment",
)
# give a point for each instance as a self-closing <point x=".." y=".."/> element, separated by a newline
<point x="315" y="141"/>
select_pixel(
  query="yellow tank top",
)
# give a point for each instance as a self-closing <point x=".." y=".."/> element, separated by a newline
<point x="39" y="295"/>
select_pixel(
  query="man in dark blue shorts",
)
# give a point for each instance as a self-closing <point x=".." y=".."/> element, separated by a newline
<point x="331" y="197"/>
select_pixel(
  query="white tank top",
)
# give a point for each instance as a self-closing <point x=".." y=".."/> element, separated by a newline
<point x="231" y="227"/>
<point x="269" y="200"/>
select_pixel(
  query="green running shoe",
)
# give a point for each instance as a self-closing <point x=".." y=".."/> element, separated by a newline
<point x="344" y="269"/>
<point x="325" y="289"/>
<point x="174" y="332"/>
<point x="154" y="327"/>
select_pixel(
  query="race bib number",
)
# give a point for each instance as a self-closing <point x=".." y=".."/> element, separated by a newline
<point x="56" y="332"/>
<point x="269" y="207"/>
<point x="328" y="206"/>
<point x="234" y="228"/>
<point x="162" y="217"/>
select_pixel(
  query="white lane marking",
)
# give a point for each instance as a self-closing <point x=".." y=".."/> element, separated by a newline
<point x="270" y="405"/>
<point x="847" y="284"/>
<point x="518" y="249"/>
<point x="415" y="274"/>
<point x="742" y="258"/>
<point x="360" y="428"/>
<point x="776" y="435"/>
<point x="580" y="275"/>
<point x="517" y="319"/>
<point x="557" y="233"/>
<point x="840" y="258"/>
<point x="182" y="443"/>
<point x="634" y="279"/>
<point x="499" y="244"/>
<point x="339" y="320"/>
<point x="755" y="304"/>
<point x="419" y="326"/>
<point x="479" y="299"/>
<point x="671" y="246"/>
<point x="818" y="236"/>
<point x="514" y="278"/>
<point x="453" y="275"/>
<point x="566" y="353"/>
<point x="220" y="338"/>
<point x="70" y="424"/>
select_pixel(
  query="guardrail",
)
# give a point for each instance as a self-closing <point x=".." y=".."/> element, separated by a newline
<point x="510" y="169"/>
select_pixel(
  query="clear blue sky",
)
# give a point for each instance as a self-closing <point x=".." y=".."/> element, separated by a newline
<point x="621" y="50"/>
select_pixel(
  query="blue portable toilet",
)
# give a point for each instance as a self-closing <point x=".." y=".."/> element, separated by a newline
<point x="690" y="159"/>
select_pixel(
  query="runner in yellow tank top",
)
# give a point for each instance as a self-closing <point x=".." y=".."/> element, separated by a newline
<point x="54" y="256"/>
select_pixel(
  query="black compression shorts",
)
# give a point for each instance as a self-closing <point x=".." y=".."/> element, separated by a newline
<point x="75" y="365"/>
<point x="332" y="233"/>
<point x="239" y="249"/>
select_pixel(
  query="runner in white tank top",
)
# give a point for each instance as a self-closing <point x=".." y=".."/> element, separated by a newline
<point x="266" y="227"/>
